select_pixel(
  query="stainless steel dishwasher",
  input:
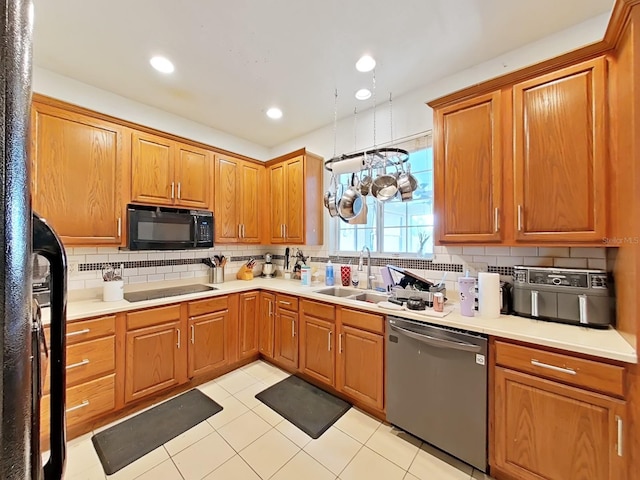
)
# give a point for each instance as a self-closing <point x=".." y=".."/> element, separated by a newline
<point x="437" y="387"/>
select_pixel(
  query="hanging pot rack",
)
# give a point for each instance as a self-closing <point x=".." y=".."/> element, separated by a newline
<point x="373" y="158"/>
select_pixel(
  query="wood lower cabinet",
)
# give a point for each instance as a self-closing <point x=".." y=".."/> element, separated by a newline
<point x="560" y="157"/>
<point x="238" y="194"/>
<point x="295" y="186"/>
<point x="286" y="338"/>
<point x="267" y="324"/>
<point x="208" y="342"/>
<point x="155" y="352"/>
<point x="317" y="341"/>
<point x="77" y="175"/>
<point x="468" y="170"/>
<point x="544" y="429"/>
<point x="249" y="335"/>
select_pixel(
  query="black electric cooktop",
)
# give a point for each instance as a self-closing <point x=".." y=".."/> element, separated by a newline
<point x="166" y="292"/>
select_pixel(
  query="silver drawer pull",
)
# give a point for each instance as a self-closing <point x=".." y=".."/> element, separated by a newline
<point x="79" y="364"/>
<point x="79" y="332"/>
<point x="285" y="303"/>
<point x="570" y="371"/>
<point x="85" y="403"/>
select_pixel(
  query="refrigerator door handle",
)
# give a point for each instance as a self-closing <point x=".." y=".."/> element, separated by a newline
<point x="47" y="244"/>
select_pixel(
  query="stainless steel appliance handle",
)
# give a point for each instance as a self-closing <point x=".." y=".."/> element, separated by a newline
<point x="619" y="436"/>
<point x="84" y="361"/>
<point x="534" y="303"/>
<point x="85" y="403"/>
<point x="195" y="231"/>
<point x="79" y="332"/>
<point x="570" y="371"/>
<point x="437" y="342"/>
<point x="582" y="302"/>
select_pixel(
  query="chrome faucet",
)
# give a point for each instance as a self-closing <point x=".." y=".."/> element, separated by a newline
<point x="369" y="276"/>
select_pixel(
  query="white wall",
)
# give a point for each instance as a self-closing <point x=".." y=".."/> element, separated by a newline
<point x="412" y="116"/>
<point x="72" y="91"/>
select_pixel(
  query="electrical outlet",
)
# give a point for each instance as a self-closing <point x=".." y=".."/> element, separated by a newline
<point x="73" y="267"/>
<point x="474" y="268"/>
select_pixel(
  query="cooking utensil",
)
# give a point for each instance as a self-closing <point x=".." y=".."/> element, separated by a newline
<point x="416" y="303"/>
<point x="385" y="186"/>
<point x="365" y="183"/>
<point x="351" y="201"/>
<point x="404" y="185"/>
<point x="286" y="258"/>
<point x="108" y="273"/>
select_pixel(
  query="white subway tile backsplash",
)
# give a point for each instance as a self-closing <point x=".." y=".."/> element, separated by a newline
<point x="130" y="272"/>
<point x="597" y="263"/>
<point x="473" y="250"/>
<point x="164" y="269"/>
<point x="172" y="255"/>
<point x="188" y="254"/>
<point x="498" y="251"/>
<point x="538" y="261"/>
<point x="524" y="251"/>
<point x="82" y="250"/>
<point x="75" y="285"/>
<point x="158" y="277"/>
<point x="593" y="252"/>
<point x="76" y="258"/>
<point x="509" y="261"/>
<point x="179" y="268"/>
<point x="554" y="252"/>
<point x="485" y="259"/>
<point x="197" y="267"/>
<point x="453" y="250"/>
<point x="108" y="250"/>
<point x="98" y="258"/>
<point x="570" y="262"/>
<point x="91" y="275"/>
<point x="187" y="275"/>
<point x="93" y="283"/>
<point x="118" y="257"/>
<point x="147" y="270"/>
<point x="441" y="258"/>
<point x="138" y="256"/>
<point x="155" y="256"/>
<point x="138" y="279"/>
<point x="171" y="276"/>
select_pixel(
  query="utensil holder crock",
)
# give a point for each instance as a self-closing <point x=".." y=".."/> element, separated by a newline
<point x="113" y="291"/>
<point x="216" y="275"/>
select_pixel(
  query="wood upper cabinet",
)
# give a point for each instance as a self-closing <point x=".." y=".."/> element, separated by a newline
<point x="77" y="175"/>
<point x="286" y="338"/>
<point x="295" y="194"/>
<point x="249" y="334"/>
<point x="560" y="157"/>
<point x="267" y="323"/>
<point x="360" y="367"/>
<point x="544" y="429"/>
<point x="165" y="172"/>
<point x="237" y="200"/>
<point x="468" y="170"/>
<point x="208" y="342"/>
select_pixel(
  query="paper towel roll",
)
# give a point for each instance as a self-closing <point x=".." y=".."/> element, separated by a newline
<point x="488" y="295"/>
<point x="347" y="166"/>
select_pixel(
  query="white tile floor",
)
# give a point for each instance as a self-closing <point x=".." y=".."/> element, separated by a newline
<point x="249" y="441"/>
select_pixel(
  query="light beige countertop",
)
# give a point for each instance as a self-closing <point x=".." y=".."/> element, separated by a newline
<point x="607" y="344"/>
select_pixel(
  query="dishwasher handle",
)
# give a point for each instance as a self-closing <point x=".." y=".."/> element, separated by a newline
<point x="437" y="342"/>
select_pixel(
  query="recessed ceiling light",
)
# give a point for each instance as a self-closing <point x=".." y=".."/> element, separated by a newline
<point x="274" y="112"/>
<point x="363" y="94"/>
<point x="162" y="64"/>
<point x="365" y="64"/>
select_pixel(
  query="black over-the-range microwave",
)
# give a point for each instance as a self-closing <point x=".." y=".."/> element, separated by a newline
<point x="158" y="228"/>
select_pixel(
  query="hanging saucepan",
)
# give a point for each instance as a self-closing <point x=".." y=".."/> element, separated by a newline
<point x="332" y="202"/>
<point x="404" y="186"/>
<point x="365" y="183"/>
<point x="385" y="186"/>
<point x="351" y="201"/>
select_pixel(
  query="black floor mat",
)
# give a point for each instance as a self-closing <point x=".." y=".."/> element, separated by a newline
<point x="132" y="439"/>
<point x="309" y="408"/>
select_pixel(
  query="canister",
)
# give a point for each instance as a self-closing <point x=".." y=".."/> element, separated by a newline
<point x="466" y="287"/>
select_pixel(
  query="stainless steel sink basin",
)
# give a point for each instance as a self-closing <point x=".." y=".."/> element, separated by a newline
<point x="339" y="291"/>
<point x="370" y="297"/>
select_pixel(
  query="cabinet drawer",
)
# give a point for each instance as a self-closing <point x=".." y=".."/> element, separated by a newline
<point x="208" y="305"/>
<point x="365" y="321"/>
<point x="90" y="329"/>
<point x="154" y="316"/>
<point x="287" y="302"/>
<point x="592" y="375"/>
<point x="318" y="310"/>
<point x="84" y="401"/>
<point x="87" y="360"/>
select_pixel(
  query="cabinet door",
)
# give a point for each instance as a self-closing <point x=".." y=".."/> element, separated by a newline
<point x="468" y="171"/>
<point x="227" y="202"/>
<point x="249" y="332"/>
<point x="208" y="342"/>
<point x="152" y="169"/>
<point x="560" y="155"/>
<point x="77" y="175"/>
<point x="152" y="359"/>
<point x="294" y="200"/>
<point x="267" y="323"/>
<point x="193" y="177"/>
<point x="286" y="345"/>
<point x="250" y="201"/>
<point x="360" y="366"/>
<point x="317" y="353"/>
<point x="277" y="201"/>
<point x="544" y="429"/>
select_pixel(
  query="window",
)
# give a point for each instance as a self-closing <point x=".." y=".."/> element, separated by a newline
<point x="396" y="227"/>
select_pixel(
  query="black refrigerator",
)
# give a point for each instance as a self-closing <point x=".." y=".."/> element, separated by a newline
<point x="22" y="235"/>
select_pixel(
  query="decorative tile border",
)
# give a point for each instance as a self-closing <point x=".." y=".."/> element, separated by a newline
<point x="88" y="267"/>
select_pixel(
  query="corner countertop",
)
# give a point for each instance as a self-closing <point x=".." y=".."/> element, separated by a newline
<point x="608" y="344"/>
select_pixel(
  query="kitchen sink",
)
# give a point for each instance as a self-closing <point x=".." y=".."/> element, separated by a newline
<point x="370" y="297"/>
<point x="339" y="291"/>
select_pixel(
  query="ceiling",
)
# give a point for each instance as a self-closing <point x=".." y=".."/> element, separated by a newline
<point x="235" y="59"/>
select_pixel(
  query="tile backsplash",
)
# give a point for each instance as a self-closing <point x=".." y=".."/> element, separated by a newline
<point x="153" y="266"/>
